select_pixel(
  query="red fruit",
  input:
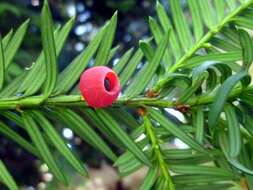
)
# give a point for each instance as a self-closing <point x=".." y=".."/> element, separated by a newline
<point x="99" y="86"/>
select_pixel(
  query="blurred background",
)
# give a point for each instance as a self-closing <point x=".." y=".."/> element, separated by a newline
<point x="132" y="25"/>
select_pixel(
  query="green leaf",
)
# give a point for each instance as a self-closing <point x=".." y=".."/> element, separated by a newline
<point x="198" y="179"/>
<point x="239" y="166"/>
<point x="211" y="186"/>
<point x="149" y="179"/>
<point x="81" y="128"/>
<point x="106" y="44"/>
<point x="13" y="117"/>
<point x="202" y="170"/>
<point x="124" y="159"/>
<point x="181" y="25"/>
<point x="175" y="77"/>
<point x="49" y="51"/>
<point x="124" y="117"/>
<point x="197" y="71"/>
<point x="15" y="43"/>
<point x="249" y="180"/>
<point x="249" y="124"/>
<point x="100" y="126"/>
<point x="206" y="10"/>
<point x="158" y="35"/>
<point x="164" y="132"/>
<point x="129" y="167"/>
<point x="218" y="57"/>
<point x="6" y="39"/>
<point x="244" y="22"/>
<point x="11" y="88"/>
<point x="233" y="131"/>
<point x="194" y="160"/>
<point x="72" y="72"/>
<point x="11" y="134"/>
<point x="221" y="97"/>
<point x="2" y="65"/>
<point x="246" y="159"/>
<point x="161" y="183"/>
<point x="247" y="48"/>
<point x="231" y="33"/>
<point x="155" y="29"/>
<point x="231" y="4"/>
<point x="247" y="98"/>
<point x="35" y="77"/>
<point x="220" y="9"/>
<point x="189" y="156"/>
<point x="128" y="156"/>
<point x="131" y="66"/>
<point x="198" y="27"/>
<point x="136" y="133"/>
<point x="18" y="120"/>
<point x="173" y="129"/>
<point x="224" y="44"/>
<point x="59" y="143"/>
<point x="112" y="53"/>
<point x="199" y="119"/>
<point x="247" y="13"/>
<point x="212" y="67"/>
<point x="142" y="79"/>
<point x="39" y="142"/>
<point x="213" y="79"/>
<point x="128" y="163"/>
<point x="188" y="92"/>
<point x="147" y="49"/>
<point x="223" y="141"/>
<point x="122" y="136"/>
<point x="123" y="60"/>
<point x="167" y="26"/>
<point x="6" y="177"/>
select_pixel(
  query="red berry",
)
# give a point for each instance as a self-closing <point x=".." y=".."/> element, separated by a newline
<point x="99" y="86"/>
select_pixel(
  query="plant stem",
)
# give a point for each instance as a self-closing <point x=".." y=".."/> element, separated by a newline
<point x="158" y="154"/>
<point x="77" y="101"/>
<point x="201" y="43"/>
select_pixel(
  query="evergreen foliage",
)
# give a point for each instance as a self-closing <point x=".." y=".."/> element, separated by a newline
<point x="198" y="66"/>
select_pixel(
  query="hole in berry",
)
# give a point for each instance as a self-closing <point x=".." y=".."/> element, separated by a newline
<point x="107" y="84"/>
